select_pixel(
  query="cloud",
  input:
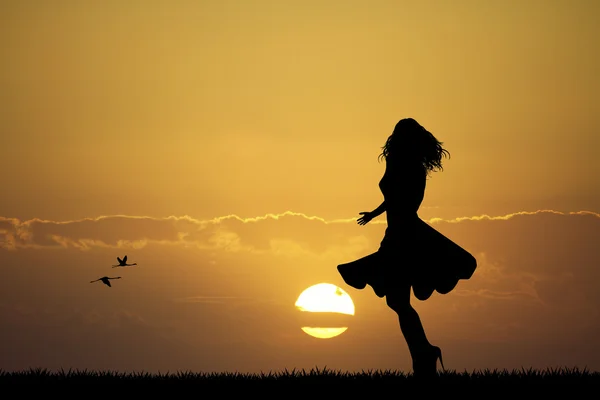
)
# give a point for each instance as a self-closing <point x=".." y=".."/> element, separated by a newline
<point x="272" y="232"/>
<point x="536" y="280"/>
<point x="231" y="232"/>
<point x="539" y="255"/>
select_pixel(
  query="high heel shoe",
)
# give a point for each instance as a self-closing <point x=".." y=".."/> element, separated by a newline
<point x="425" y="362"/>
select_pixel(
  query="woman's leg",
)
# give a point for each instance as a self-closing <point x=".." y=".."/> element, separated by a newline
<point x="410" y="322"/>
<point x="424" y="355"/>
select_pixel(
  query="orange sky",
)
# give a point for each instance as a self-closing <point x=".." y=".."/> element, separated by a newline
<point x="162" y="130"/>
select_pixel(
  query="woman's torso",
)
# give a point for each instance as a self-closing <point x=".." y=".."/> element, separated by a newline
<point x="403" y="189"/>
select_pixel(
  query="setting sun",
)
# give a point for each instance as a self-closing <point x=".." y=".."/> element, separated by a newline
<point x="324" y="333"/>
<point x="325" y="298"/>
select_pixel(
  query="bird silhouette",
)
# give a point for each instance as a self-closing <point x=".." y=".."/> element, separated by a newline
<point x="105" y="280"/>
<point x="123" y="263"/>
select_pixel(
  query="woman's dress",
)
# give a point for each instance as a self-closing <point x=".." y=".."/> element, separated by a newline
<point x="412" y="253"/>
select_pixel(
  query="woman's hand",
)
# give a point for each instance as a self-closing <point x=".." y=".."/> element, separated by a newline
<point x="366" y="217"/>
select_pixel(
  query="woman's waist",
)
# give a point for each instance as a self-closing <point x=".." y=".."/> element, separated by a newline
<point x="401" y="216"/>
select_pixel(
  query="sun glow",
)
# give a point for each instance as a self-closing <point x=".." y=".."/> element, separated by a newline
<point x="325" y="298"/>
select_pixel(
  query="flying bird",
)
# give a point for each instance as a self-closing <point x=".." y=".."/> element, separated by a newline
<point x="123" y="263"/>
<point x="105" y="280"/>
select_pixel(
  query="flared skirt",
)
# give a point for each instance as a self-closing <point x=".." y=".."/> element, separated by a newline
<point x="417" y="256"/>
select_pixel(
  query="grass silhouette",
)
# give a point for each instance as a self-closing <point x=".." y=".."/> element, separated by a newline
<point x="298" y="378"/>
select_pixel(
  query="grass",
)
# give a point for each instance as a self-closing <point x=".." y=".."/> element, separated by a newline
<point x="314" y="384"/>
<point x="316" y="375"/>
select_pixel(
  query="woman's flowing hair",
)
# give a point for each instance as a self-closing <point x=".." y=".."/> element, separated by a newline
<point x="412" y="141"/>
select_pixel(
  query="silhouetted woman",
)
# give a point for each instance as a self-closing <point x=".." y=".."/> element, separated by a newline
<point x="412" y="253"/>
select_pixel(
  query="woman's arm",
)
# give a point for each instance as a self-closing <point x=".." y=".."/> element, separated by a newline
<point x="368" y="216"/>
<point x="379" y="210"/>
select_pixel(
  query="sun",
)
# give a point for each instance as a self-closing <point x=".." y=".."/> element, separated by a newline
<point x="325" y="298"/>
<point x="323" y="333"/>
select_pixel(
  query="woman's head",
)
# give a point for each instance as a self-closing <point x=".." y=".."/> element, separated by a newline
<point x="411" y="142"/>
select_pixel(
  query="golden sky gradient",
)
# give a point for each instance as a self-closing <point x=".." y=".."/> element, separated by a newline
<point x="228" y="146"/>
